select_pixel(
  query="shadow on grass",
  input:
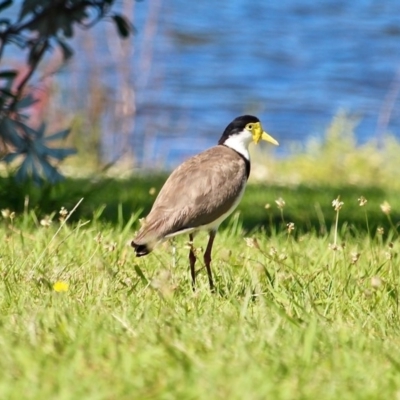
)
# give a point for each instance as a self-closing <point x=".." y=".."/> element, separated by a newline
<point x="310" y="208"/>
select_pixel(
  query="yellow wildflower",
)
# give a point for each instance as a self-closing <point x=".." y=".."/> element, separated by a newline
<point x="60" y="286"/>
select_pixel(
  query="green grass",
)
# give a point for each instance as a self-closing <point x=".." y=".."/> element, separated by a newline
<point x="309" y="207"/>
<point x="292" y="318"/>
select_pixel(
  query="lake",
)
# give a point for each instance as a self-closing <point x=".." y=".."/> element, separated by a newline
<point x="194" y="66"/>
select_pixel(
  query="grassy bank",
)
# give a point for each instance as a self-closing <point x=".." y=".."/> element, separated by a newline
<point x="114" y="201"/>
<point x="311" y="313"/>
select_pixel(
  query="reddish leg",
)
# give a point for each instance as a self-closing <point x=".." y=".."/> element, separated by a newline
<point x="192" y="261"/>
<point x="207" y="258"/>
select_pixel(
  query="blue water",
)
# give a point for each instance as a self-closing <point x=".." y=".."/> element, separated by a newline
<point x="293" y="63"/>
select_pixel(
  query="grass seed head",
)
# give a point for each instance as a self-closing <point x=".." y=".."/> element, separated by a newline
<point x="376" y="282"/>
<point x="380" y="230"/>
<point x="368" y="293"/>
<point x="337" y="204"/>
<point x="386" y="208"/>
<point x="333" y="247"/>
<point x="282" y="257"/>
<point x="362" y="201"/>
<point x="388" y="255"/>
<point x="198" y="251"/>
<point x="46" y="221"/>
<point x="110" y="246"/>
<point x="5" y="213"/>
<point x="273" y="252"/>
<point x="267" y="206"/>
<point x="252" y="243"/>
<point x="290" y="227"/>
<point x="280" y="203"/>
<point x="355" y="257"/>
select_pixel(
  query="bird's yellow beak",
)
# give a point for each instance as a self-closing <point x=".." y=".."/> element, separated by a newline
<point x="259" y="134"/>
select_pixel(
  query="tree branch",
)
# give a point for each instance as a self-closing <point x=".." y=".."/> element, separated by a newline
<point x="26" y="78"/>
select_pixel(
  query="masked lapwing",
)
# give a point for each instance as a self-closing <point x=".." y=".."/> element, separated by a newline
<point x="202" y="192"/>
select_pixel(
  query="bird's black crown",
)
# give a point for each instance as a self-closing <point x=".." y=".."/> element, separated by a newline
<point x="236" y="126"/>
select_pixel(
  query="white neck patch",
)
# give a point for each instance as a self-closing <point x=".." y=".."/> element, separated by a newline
<point x="240" y="143"/>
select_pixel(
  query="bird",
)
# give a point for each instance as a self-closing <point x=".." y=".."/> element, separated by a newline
<point x="202" y="192"/>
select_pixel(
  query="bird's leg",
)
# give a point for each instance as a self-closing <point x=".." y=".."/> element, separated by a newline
<point x="192" y="261"/>
<point x="207" y="258"/>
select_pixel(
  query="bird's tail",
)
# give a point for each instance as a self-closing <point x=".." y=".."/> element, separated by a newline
<point x="141" y="249"/>
<point x="148" y="236"/>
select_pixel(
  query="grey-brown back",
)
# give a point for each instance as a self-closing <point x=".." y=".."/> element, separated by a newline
<point x="196" y="193"/>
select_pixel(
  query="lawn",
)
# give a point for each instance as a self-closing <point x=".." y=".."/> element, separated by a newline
<point x="309" y="313"/>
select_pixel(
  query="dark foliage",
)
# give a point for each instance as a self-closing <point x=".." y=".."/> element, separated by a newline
<point x="39" y="27"/>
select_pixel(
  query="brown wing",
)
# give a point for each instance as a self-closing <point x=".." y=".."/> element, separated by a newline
<point x="195" y="194"/>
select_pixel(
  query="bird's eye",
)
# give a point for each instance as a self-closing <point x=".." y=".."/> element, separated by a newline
<point x="250" y="126"/>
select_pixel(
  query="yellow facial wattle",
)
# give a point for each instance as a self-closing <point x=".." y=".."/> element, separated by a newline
<point x="259" y="134"/>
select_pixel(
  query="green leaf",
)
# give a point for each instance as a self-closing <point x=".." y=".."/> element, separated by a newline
<point x="30" y="132"/>
<point x="6" y="92"/>
<point x="10" y="134"/>
<point x="41" y="130"/>
<point x="141" y="274"/>
<point x="66" y="49"/>
<point x="5" y="21"/>
<point x="80" y="14"/>
<point x="36" y="52"/>
<point x="5" y="4"/>
<point x="124" y="26"/>
<point x="40" y="149"/>
<point x="26" y="102"/>
<point x="68" y="29"/>
<point x="50" y="173"/>
<point x="58" y="135"/>
<point x="60" y="154"/>
<point x="18" y="40"/>
<point x="9" y="158"/>
<point x="8" y="74"/>
<point x="26" y="169"/>
<point x="29" y="6"/>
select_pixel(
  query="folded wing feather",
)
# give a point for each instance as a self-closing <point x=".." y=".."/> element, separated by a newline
<point x="195" y="194"/>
